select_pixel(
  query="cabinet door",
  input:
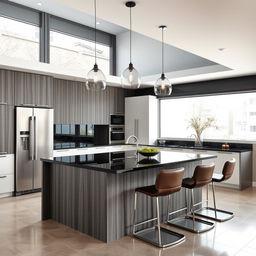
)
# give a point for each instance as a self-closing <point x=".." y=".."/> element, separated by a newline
<point x="225" y="156"/>
<point x="222" y="157"/>
<point x="137" y="118"/>
<point x="33" y="89"/>
<point x="6" y="87"/>
<point x="7" y="129"/>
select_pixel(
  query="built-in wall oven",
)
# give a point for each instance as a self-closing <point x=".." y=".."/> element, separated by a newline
<point x="117" y="135"/>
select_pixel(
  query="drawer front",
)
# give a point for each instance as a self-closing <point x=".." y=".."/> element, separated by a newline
<point x="7" y="164"/>
<point x="6" y="183"/>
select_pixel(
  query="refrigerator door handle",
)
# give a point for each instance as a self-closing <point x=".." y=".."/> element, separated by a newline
<point x="35" y="140"/>
<point x="31" y="138"/>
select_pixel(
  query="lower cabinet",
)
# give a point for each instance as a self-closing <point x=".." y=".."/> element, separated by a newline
<point x="242" y="176"/>
<point x="219" y="162"/>
<point x="6" y="174"/>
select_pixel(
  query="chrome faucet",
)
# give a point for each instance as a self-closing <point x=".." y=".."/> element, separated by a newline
<point x="135" y="140"/>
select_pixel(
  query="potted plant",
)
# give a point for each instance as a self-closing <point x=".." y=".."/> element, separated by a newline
<point x="199" y="124"/>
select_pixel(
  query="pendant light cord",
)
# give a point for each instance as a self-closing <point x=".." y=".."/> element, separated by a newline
<point x="95" y="31"/>
<point x="130" y="35"/>
<point x="162" y="50"/>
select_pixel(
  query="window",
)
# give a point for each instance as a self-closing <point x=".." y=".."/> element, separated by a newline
<point x="74" y="53"/>
<point x="233" y="114"/>
<point x="19" y="40"/>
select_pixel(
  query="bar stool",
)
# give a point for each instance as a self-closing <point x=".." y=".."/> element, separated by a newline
<point x="167" y="182"/>
<point x="214" y="213"/>
<point x="202" y="176"/>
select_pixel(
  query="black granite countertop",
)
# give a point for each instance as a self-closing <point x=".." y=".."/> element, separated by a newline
<point x="238" y="147"/>
<point x="210" y="148"/>
<point x="126" y="161"/>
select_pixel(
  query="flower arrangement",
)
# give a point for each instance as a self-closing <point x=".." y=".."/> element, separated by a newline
<point x="199" y="124"/>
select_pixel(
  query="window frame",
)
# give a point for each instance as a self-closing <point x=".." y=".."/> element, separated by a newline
<point x="47" y="22"/>
<point x="196" y="96"/>
<point x="71" y="28"/>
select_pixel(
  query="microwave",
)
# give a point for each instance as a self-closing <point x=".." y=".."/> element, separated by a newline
<point x="116" y="119"/>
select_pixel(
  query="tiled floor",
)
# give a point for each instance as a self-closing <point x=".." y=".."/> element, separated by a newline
<point x="22" y="232"/>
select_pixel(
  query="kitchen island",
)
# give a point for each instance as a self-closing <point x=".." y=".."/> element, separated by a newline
<point x="94" y="193"/>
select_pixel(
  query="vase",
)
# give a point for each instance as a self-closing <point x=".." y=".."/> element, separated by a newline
<point x="198" y="140"/>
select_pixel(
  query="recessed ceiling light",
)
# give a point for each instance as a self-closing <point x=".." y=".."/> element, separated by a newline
<point x="39" y="4"/>
<point x="98" y="23"/>
<point x="221" y="49"/>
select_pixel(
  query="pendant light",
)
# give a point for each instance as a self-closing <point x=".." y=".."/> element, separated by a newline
<point x="130" y="77"/>
<point x="96" y="80"/>
<point x="163" y="86"/>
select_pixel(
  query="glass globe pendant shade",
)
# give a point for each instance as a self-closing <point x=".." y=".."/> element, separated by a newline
<point x="96" y="80"/>
<point x="163" y="86"/>
<point x="130" y="78"/>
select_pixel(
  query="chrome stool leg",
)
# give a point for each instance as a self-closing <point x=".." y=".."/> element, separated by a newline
<point x="191" y="223"/>
<point x="158" y="222"/>
<point x="214" y="213"/>
<point x="156" y="235"/>
<point x="134" y="213"/>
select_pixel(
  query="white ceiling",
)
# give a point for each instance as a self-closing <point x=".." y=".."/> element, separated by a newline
<point x="58" y="9"/>
<point x="197" y="26"/>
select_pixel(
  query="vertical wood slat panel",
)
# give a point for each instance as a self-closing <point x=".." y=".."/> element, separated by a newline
<point x="7" y="135"/>
<point x="7" y="86"/>
<point x="33" y="89"/>
<point x="101" y="204"/>
<point x="74" y="104"/>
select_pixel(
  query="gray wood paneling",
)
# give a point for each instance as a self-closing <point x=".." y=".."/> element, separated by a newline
<point x="33" y="89"/>
<point x="7" y="129"/>
<point x="71" y="101"/>
<point x="7" y="86"/>
<point x="101" y="204"/>
<point x="74" y="104"/>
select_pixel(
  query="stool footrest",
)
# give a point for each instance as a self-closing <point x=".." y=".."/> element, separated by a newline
<point x="144" y="222"/>
<point x="168" y="237"/>
<point x="199" y="226"/>
<point x="209" y="213"/>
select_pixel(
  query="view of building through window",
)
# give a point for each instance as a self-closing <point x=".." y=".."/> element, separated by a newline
<point x="19" y="40"/>
<point x="71" y="52"/>
<point x="235" y="116"/>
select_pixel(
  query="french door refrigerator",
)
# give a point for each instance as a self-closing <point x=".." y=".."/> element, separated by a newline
<point x="34" y="140"/>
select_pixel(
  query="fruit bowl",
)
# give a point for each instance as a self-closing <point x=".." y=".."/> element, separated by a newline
<point x="148" y="152"/>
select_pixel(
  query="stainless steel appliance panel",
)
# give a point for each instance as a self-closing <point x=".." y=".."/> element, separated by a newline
<point x="43" y="143"/>
<point x="34" y="140"/>
<point x="24" y="163"/>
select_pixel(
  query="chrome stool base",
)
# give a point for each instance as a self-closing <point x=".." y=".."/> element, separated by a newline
<point x="219" y="215"/>
<point x="194" y="225"/>
<point x="168" y="237"/>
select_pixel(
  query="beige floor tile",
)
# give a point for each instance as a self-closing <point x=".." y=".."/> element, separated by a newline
<point x="22" y="233"/>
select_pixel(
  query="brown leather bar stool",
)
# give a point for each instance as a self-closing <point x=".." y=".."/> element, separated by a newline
<point x="202" y="176"/>
<point x="214" y="213"/>
<point x="167" y="182"/>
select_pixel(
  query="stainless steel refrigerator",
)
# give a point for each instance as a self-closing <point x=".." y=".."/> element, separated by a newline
<point x="34" y="140"/>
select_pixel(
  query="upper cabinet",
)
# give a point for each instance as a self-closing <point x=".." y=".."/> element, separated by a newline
<point x="33" y="89"/>
<point x="141" y="118"/>
<point x="7" y="129"/>
<point x="6" y="87"/>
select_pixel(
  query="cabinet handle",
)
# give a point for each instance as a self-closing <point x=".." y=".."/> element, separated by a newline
<point x="2" y="177"/>
<point x="2" y="156"/>
<point x="225" y="152"/>
<point x="3" y="103"/>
